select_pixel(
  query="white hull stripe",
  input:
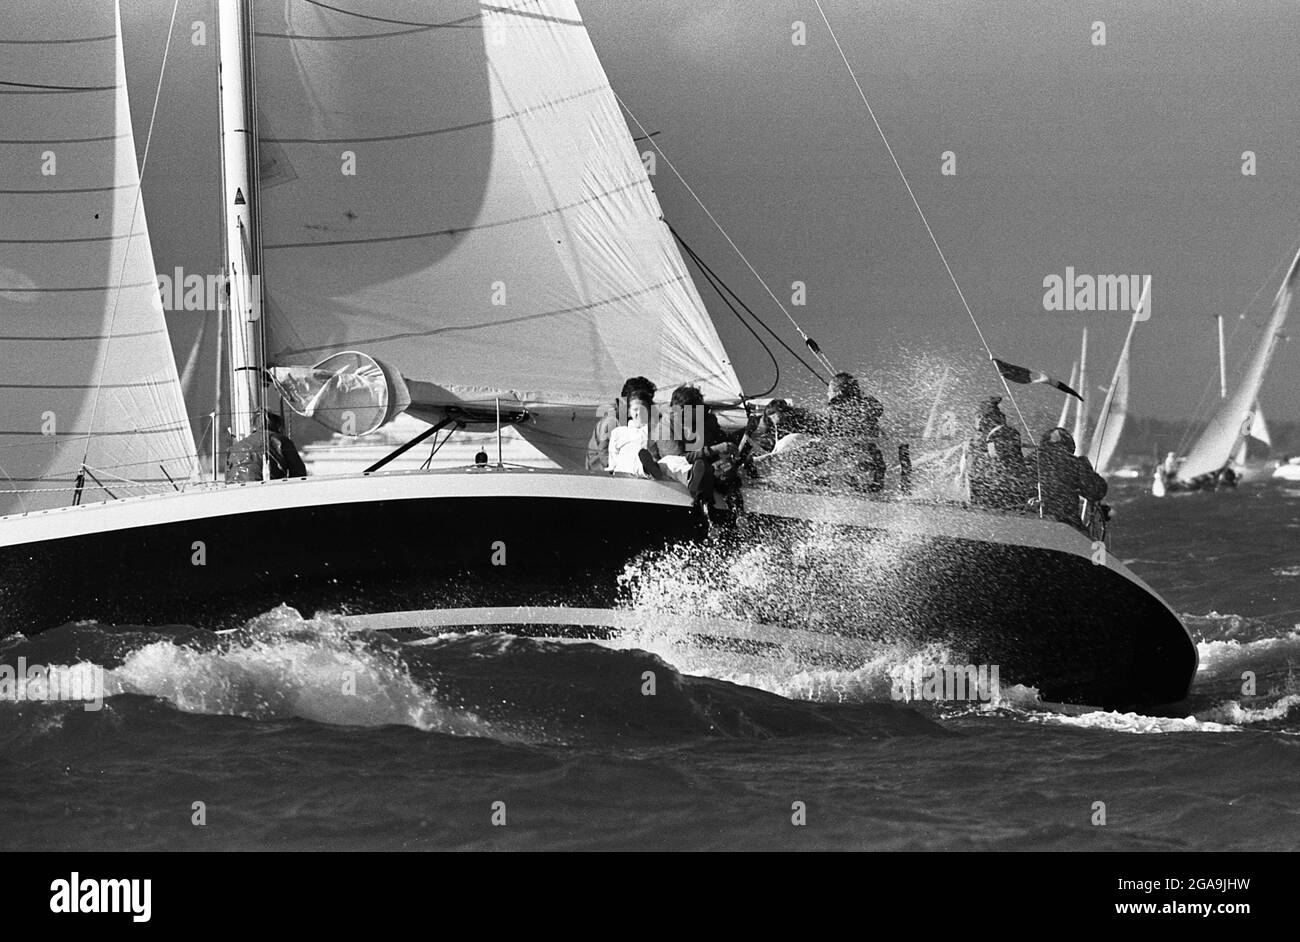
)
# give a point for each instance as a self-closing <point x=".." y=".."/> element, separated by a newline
<point x="730" y="628"/>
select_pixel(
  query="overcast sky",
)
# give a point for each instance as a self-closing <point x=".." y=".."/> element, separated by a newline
<point x="1115" y="159"/>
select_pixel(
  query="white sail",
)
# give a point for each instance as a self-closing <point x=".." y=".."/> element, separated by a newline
<point x="1114" y="408"/>
<point x="1259" y="428"/>
<point x="1065" y="406"/>
<point x="1081" y="408"/>
<point x="452" y="188"/>
<point x="1254" y="427"/>
<point x="86" y="367"/>
<point x="1219" y="440"/>
<point x="1110" y="424"/>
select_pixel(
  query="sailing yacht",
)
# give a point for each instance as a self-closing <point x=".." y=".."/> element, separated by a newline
<point x="432" y="210"/>
<point x="1210" y="463"/>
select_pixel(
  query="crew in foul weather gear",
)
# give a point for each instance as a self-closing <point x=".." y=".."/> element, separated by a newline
<point x="1066" y="478"/>
<point x="994" y="461"/>
<point x="244" y="459"/>
<point x="849" y="450"/>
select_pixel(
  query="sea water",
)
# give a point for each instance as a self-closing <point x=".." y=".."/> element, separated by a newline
<point x="292" y="733"/>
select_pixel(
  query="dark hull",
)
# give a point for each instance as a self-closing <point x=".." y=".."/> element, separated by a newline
<point x="1049" y="618"/>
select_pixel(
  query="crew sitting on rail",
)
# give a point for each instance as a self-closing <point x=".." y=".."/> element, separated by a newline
<point x="628" y="442"/>
<point x="994" y="462"/>
<point x="778" y="434"/>
<point x="689" y="445"/>
<point x="609" y="417"/>
<point x="244" y="459"/>
<point x="1066" y="478"/>
<point x="847" y="455"/>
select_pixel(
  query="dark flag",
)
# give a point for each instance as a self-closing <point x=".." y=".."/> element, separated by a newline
<point x="1024" y="376"/>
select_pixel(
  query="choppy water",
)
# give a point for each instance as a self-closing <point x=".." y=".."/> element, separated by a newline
<point x="294" y="734"/>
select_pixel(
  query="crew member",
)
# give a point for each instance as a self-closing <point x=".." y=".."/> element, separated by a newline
<point x="244" y="459"/>
<point x="995" y="462"/>
<point x="1066" y="478"/>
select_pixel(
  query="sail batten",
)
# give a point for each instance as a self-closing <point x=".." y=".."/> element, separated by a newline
<point x="89" y="377"/>
<point x="467" y="205"/>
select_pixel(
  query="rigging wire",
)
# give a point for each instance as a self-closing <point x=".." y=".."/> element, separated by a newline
<point x="714" y="277"/>
<point x="776" y="366"/>
<point x="808" y="341"/>
<point x="921" y="213"/>
<point x="135" y="209"/>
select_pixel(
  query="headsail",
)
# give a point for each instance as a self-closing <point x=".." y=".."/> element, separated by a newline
<point x="1219" y="440"/>
<point x="1081" y="409"/>
<point x="86" y="367"/>
<point x="1065" y="406"/>
<point x="1114" y="408"/>
<point x="452" y="189"/>
<point x="1110" y="424"/>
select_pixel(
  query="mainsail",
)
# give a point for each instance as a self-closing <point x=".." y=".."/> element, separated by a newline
<point x="86" y="367"/>
<point x="1233" y="420"/>
<point x="452" y="189"/>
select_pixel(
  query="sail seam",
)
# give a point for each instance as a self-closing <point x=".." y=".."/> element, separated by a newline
<point x="450" y="129"/>
<point x="80" y="189"/>
<point x="55" y="42"/>
<point x="501" y="323"/>
<point x="32" y="88"/>
<point x="66" y="140"/>
<point x="138" y="333"/>
<point x="104" y="238"/>
<point x="42" y="290"/>
<point x="461" y="229"/>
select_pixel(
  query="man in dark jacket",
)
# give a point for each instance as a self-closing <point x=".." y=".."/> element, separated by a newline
<point x="996" y="465"/>
<point x="1066" y="478"/>
<point x="690" y="429"/>
<point x="849" y="450"/>
<point x="244" y="459"/>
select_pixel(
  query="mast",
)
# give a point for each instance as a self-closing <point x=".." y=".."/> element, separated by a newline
<point x="241" y="246"/>
<point x="1223" y="369"/>
<point x="1081" y="410"/>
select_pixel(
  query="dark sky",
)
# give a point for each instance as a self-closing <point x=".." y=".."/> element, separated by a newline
<point x="1122" y="159"/>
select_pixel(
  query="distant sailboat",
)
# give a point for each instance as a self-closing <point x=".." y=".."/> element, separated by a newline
<point x="1208" y="465"/>
<point x="498" y="259"/>
<point x="1114" y="408"/>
